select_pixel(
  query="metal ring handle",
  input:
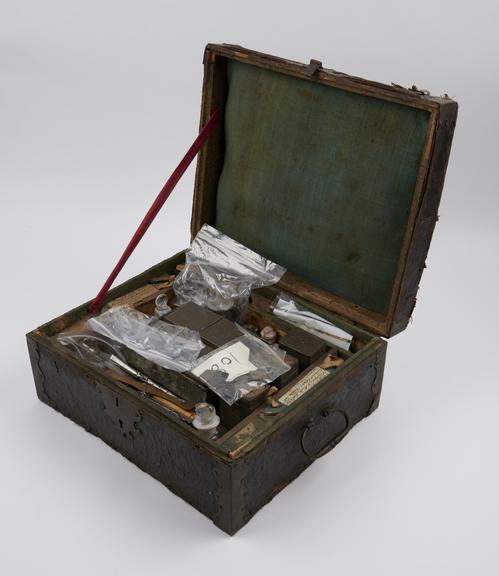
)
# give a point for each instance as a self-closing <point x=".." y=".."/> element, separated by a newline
<point x="332" y="443"/>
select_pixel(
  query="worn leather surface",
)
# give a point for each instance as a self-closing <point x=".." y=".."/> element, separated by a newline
<point x="273" y="465"/>
<point x="426" y="219"/>
<point x="229" y="493"/>
<point x="150" y="443"/>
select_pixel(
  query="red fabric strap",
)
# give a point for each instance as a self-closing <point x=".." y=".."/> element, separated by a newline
<point x="167" y="189"/>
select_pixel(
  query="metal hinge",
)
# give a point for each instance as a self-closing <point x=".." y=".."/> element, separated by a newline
<point x="313" y="67"/>
<point x="413" y="88"/>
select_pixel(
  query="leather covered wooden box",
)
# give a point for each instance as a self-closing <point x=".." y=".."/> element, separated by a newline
<point x="339" y="180"/>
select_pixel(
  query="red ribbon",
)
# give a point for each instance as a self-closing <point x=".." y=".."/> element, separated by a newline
<point x="167" y="189"/>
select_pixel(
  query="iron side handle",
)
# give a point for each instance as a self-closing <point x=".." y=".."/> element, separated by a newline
<point x="332" y="443"/>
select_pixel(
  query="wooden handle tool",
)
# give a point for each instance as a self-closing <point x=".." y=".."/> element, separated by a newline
<point x="180" y="403"/>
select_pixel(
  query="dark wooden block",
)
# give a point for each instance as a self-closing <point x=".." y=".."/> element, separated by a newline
<point x="232" y="415"/>
<point x="220" y="333"/>
<point x="205" y="350"/>
<point x="192" y="316"/>
<point x="180" y="384"/>
<point x="303" y="345"/>
<point x="290" y="374"/>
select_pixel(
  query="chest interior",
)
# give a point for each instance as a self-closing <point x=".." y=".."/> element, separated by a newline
<point x="143" y="290"/>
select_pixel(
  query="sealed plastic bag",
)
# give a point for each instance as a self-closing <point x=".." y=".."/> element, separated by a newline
<point x="220" y="273"/>
<point x="286" y="308"/>
<point x="173" y="347"/>
<point x="240" y="366"/>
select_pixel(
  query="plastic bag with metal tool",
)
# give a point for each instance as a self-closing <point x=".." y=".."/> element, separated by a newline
<point x="92" y="347"/>
<point x="286" y="308"/>
<point x="173" y="347"/>
<point x="220" y="273"/>
<point x="240" y="366"/>
<point x="107" y="355"/>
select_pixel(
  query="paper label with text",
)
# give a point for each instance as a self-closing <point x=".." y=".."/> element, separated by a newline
<point x="233" y="360"/>
<point x="303" y="385"/>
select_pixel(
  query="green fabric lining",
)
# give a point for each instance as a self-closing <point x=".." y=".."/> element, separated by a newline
<point x="319" y="179"/>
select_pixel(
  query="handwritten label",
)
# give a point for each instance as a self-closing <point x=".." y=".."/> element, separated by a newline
<point x="304" y="385"/>
<point x="233" y="360"/>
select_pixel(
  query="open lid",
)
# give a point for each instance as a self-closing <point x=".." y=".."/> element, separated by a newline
<point x="334" y="177"/>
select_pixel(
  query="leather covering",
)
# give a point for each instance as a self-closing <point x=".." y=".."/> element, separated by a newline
<point x="228" y="480"/>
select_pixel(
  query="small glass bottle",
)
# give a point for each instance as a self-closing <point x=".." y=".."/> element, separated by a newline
<point x="162" y="307"/>
<point x="206" y="419"/>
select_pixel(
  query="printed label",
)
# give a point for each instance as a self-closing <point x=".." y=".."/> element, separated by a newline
<point x="303" y="385"/>
<point x="233" y="360"/>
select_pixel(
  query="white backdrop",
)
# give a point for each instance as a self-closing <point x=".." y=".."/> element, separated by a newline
<point x="98" y="102"/>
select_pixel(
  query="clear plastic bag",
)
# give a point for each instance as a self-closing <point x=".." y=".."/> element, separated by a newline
<point x="240" y="366"/>
<point x="286" y="308"/>
<point x="169" y="346"/>
<point x="220" y="273"/>
<point x="92" y="347"/>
